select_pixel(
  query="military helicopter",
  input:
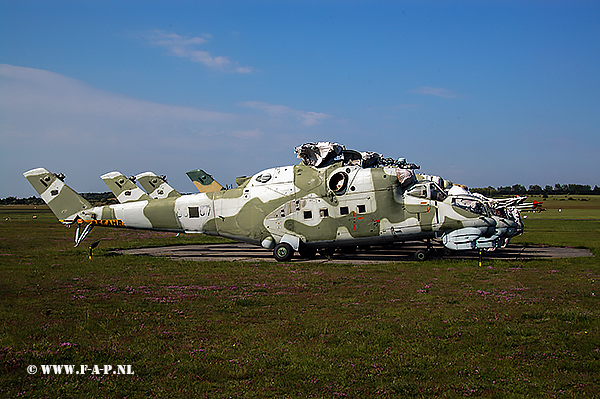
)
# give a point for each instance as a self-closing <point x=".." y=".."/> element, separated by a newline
<point x="334" y="198"/>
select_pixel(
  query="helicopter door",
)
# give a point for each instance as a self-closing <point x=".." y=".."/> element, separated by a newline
<point x="420" y="207"/>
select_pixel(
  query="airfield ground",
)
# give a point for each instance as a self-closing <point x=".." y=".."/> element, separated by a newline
<point x="233" y="252"/>
<point x="525" y="327"/>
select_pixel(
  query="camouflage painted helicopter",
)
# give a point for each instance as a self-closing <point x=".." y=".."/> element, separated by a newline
<point x="334" y="198"/>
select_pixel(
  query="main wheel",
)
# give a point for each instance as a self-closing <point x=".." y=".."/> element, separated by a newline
<point x="283" y="252"/>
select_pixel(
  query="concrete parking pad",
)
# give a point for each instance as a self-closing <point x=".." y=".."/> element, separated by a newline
<point x="392" y="253"/>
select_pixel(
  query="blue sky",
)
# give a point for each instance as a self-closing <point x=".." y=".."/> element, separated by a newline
<point x="479" y="92"/>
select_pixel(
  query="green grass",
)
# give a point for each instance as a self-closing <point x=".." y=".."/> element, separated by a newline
<point x="566" y="222"/>
<point x="237" y="329"/>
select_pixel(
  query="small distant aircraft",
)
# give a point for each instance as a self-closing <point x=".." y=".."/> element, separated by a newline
<point x="333" y="198"/>
<point x="535" y="206"/>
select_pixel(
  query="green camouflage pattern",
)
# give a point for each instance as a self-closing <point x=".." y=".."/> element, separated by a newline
<point x="62" y="200"/>
<point x="298" y="207"/>
<point x="156" y="186"/>
<point x="123" y="188"/>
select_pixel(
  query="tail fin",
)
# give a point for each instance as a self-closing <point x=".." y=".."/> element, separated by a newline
<point x="124" y="189"/>
<point x="63" y="201"/>
<point x="203" y="181"/>
<point x="156" y="186"/>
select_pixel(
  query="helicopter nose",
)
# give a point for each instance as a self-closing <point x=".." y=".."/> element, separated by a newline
<point x="506" y="228"/>
<point x="476" y="233"/>
<point x="487" y="225"/>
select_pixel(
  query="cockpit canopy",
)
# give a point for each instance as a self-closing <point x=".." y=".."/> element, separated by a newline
<point x="471" y="204"/>
<point x="432" y="191"/>
<point x="427" y="190"/>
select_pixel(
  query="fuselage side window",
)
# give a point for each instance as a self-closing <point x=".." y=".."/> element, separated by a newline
<point x="194" y="212"/>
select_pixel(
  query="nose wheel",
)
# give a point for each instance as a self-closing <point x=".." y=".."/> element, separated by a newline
<point x="421" y="255"/>
<point x="424" y="254"/>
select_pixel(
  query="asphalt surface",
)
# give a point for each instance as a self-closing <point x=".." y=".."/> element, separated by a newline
<point x="393" y="253"/>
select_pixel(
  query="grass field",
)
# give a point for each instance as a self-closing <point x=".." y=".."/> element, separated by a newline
<point x="441" y="328"/>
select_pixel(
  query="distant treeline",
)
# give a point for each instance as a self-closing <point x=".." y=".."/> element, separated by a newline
<point x="517" y="189"/>
<point x="558" y="189"/>
<point x="93" y="198"/>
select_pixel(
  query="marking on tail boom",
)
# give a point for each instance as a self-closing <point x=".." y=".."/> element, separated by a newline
<point x="107" y="222"/>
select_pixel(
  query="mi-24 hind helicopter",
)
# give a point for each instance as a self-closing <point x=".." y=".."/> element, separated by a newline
<point x="333" y="198"/>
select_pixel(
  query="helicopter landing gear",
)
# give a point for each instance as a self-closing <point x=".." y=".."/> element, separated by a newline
<point x="283" y="252"/>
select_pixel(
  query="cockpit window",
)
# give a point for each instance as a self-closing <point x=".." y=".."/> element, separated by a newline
<point x="470" y="205"/>
<point x="437" y="193"/>
<point x="427" y="190"/>
<point x="419" y="190"/>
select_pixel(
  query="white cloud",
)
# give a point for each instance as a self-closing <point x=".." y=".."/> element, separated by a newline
<point x="186" y="47"/>
<point x="435" y="91"/>
<point x="281" y="111"/>
<point x="173" y="40"/>
<point x="50" y="93"/>
<point x="51" y="120"/>
<point x="313" y="118"/>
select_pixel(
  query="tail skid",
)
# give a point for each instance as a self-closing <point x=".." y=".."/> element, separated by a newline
<point x="80" y="235"/>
